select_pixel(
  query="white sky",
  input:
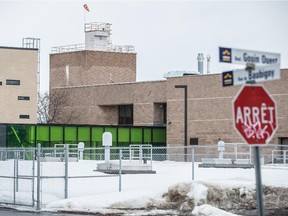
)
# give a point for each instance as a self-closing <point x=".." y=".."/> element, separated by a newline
<point x="167" y="35"/>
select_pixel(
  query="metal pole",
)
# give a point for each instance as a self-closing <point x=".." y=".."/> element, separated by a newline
<point x="17" y="170"/>
<point x="120" y="170"/>
<point x="185" y="118"/>
<point x="38" y="177"/>
<point x="193" y="163"/>
<point x="66" y="170"/>
<point x="185" y="133"/>
<point x="14" y="189"/>
<point x="260" y="208"/>
<point x="33" y="176"/>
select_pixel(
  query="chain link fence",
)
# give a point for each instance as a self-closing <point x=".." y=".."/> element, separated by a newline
<point x="37" y="176"/>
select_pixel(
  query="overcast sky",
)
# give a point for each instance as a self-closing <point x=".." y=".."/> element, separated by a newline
<point x="167" y="35"/>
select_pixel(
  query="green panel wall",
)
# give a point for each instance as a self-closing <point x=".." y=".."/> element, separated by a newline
<point x="123" y="135"/>
<point x="136" y="135"/>
<point x="84" y="134"/>
<point x="147" y="135"/>
<point x="56" y="134"/>
<point x="159" y="136"/>
<point x="70" y="133"/>
<point x="97" y="136"/>
<point x="48" y="135"/>
<point x="20" y="136"/>
<point x="43" y="135"/>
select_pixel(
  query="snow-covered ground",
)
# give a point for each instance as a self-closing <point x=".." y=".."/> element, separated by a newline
<point x="171" y="191"/>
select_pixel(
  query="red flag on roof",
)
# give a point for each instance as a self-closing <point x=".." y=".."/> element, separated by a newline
<point x="86" y="7"/>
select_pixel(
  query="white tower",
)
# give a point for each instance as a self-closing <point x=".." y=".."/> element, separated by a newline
<point x="97" y="36"/>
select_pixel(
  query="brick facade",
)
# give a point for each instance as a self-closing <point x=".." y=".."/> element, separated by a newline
<point x="210" y="109"/>
<point x="91" y="68"/>
<point x="209" y="104"/>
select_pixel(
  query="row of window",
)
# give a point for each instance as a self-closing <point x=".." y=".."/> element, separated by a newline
<point x="17" y="82"/>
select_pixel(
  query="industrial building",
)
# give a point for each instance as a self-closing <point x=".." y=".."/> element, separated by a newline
<point x="100" y="80"/>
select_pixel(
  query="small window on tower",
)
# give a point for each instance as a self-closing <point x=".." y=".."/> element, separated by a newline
<point x="23" y="98"/>
<point x="12" y="82"/>
<point x="24" y="116"/>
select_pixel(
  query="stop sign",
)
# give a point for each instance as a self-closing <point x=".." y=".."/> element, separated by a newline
<point x="254" y="115"/>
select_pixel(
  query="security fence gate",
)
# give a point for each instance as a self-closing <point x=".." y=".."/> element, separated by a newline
<point x="17" y="176"/>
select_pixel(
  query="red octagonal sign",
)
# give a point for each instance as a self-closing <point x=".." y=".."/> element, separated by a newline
<point x="254" y="115"/>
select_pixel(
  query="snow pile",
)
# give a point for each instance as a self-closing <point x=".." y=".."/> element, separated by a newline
<point x="188" y="198"/>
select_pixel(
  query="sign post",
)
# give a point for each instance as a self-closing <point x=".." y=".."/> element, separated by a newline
<point x="259" y="189"/>
<point x="254" y="111"/>
<point x="255" y="120"/>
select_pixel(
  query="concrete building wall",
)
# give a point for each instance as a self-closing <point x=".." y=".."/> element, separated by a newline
<point x="91" y="68"/>
<point x="18" y="64"/>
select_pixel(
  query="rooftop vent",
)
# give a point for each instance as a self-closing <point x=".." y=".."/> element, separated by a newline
<point x="180" y="74"/>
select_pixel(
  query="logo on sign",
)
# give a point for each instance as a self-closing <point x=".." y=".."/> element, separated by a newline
<point x="227" y="78"/>
<point x="225" y="54"/>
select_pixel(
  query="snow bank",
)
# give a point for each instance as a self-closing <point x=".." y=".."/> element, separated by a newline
<point x="197" y="198"/>
<point x="208" y="210"/>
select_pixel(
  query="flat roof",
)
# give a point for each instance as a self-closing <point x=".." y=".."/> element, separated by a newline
<point x="19" y="48"/>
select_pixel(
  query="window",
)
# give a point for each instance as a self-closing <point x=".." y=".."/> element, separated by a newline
<point x="193" y="141"/>
<point x="125" y="114"/>
<point x="23" y="98"/>
<point x="12" y="82"/>
<point x="24" y="116"/>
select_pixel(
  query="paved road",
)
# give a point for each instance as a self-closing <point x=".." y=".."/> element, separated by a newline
<point x="12" y="212"/>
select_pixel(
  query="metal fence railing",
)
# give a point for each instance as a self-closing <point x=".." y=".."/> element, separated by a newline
<point x="37" y="176"/>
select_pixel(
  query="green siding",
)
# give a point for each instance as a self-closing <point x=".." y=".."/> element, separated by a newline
<point x="159" y="136"/>
<point x="83" y="134"/>
<point x="56" y="134"/>
<point x="123" y="135"/>
<point x="43" y="135"/>
<point x="70" y="134"/>
<point x="136" y="135"/>
<point x="147" y="135"/>
<point x="48" y="135"/>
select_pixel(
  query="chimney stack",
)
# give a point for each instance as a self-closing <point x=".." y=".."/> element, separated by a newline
<point x="200" y="59"/>
<point x="208" y="63"/>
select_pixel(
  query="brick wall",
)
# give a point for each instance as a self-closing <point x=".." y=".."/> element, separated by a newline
<point x="210" y="109"/>
<point x="209" y="106"/>
<point x="91" y="68"/>
<point x="99" y="104"/>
